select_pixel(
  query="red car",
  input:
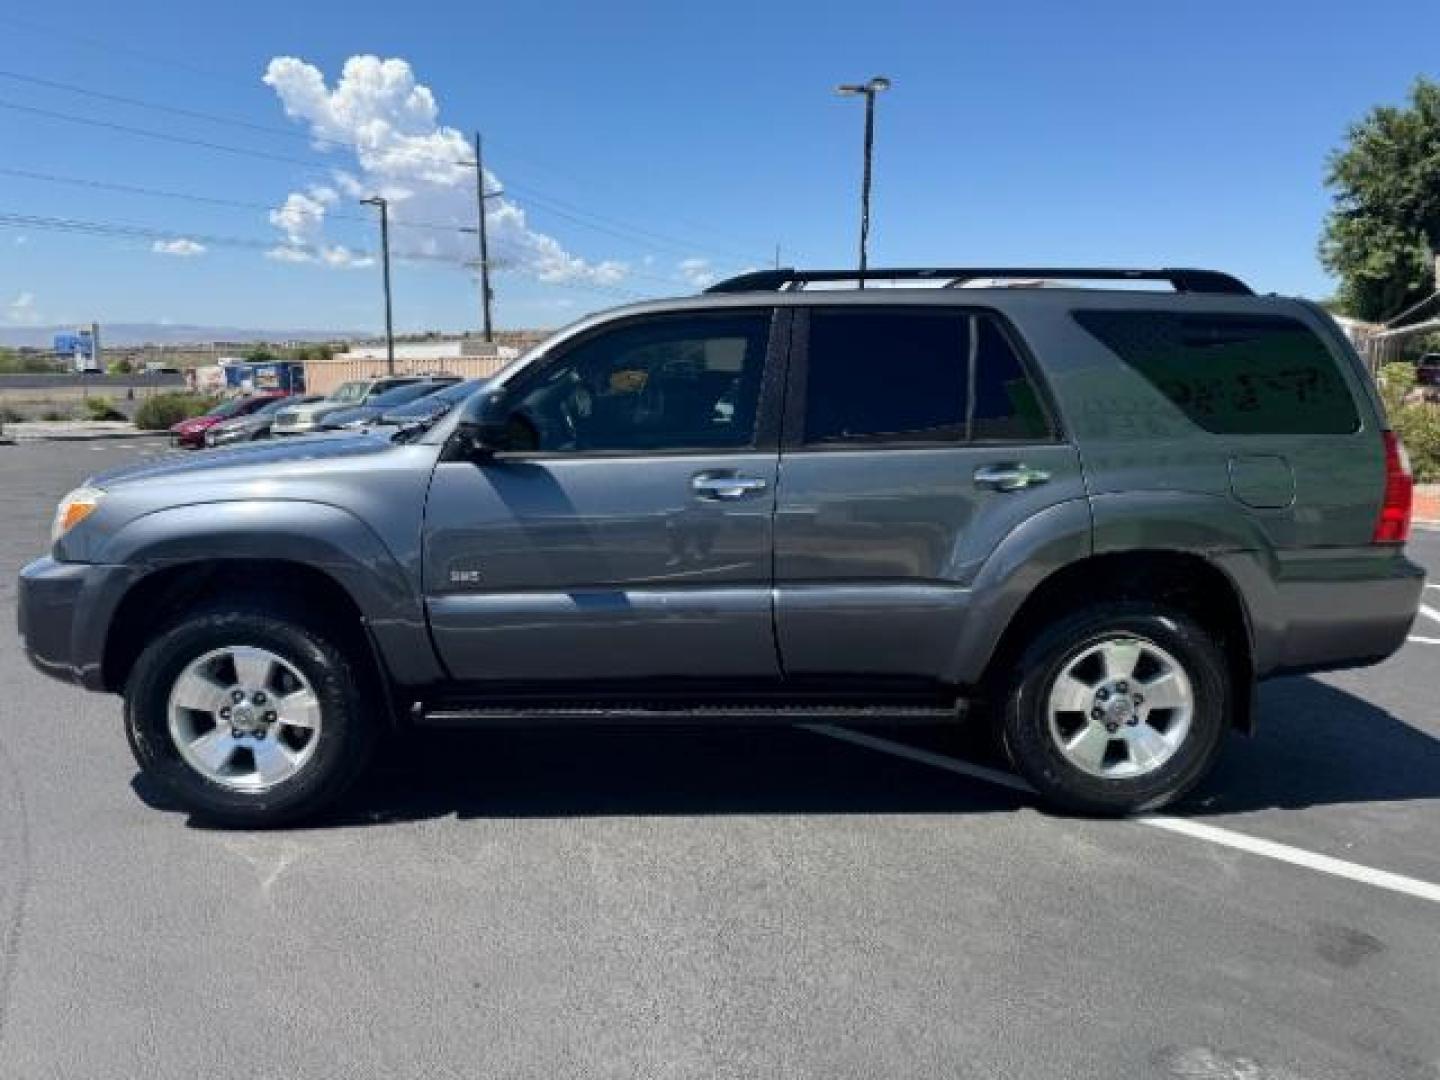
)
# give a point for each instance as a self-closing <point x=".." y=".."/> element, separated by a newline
<point x="192" y="432"/>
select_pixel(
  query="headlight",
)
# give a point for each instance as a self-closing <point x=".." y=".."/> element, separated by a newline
<point x="73" y="509"/>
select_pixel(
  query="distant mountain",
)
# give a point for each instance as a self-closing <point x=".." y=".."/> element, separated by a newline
<point x="125" y="334"/>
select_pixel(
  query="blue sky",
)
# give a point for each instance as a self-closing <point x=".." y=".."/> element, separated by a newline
<point x="634" y="139"/>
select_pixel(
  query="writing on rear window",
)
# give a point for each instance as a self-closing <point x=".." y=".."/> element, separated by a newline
<point x="1233" y="374"/>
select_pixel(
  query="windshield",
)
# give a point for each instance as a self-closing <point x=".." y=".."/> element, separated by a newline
<point x="271" y="407"/>
<point x="350" y="392"/>
<point x="437" y="403"/>
<point x="227" y="408"/>
<point x="401" y="395"/>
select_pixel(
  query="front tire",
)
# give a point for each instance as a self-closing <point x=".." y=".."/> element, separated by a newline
<point x="248" y="718"/>
<point x="1117" y="709"/>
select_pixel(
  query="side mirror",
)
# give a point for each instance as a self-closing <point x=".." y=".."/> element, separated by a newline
<point x="483" y="427"/>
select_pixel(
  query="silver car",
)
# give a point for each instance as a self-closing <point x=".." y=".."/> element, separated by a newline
<point x="254" y="425"/>
<point x="305" y="418"/>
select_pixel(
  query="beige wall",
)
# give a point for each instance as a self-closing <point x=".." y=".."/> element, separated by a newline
<point x="322" y="376"/>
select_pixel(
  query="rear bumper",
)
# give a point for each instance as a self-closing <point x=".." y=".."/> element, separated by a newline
<point x="63" y="612"/>
<point x="1326" y="610"/>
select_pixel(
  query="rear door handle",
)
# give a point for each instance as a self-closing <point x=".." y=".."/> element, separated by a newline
<point x="1009" y="477"/>
<point x="715" y="486"/>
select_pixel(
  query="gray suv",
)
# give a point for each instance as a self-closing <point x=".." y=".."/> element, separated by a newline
<point x="1091" y="518"/>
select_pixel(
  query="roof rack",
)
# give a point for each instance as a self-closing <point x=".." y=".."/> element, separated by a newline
<point x="792" y="280"/>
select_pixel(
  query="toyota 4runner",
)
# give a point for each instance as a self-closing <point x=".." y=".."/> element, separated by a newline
<point x="1090" y="517"/>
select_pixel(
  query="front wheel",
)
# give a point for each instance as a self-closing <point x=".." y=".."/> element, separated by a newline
<point x="248" y="718"/>
<point x="1118" y="709"/>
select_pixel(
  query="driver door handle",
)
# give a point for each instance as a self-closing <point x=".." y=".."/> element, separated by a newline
<point x="716" y="486"/>
<point x="1009" y="477"/>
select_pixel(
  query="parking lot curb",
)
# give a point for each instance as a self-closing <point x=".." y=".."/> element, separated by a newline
<point x="78" y="436"/>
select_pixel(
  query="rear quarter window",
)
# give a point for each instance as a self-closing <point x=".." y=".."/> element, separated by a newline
<point x="1233" y="374"/>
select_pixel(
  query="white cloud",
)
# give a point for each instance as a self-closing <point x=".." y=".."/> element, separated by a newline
<point x="182" y="246"/>
<point x="22" y="309"/>
<point x="403" y="152"/>
<point x="288" y="253"/>
<point x="697" y="272"/>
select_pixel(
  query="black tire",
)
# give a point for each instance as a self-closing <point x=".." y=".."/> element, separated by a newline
<point x="345" y="738"/>
<point x="1033" y="750"/>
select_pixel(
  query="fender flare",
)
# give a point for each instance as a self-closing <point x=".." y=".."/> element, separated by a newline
<point x="319" y="536"/>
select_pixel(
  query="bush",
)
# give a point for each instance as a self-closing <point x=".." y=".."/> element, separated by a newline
<point x="54" y="415"/>
<point x="102" y="408"/>
<point x="1419" y="429"/>
<point x="1416" y="422"/>
<point x="161" y="411"/>
<point x="1395" y="382"/>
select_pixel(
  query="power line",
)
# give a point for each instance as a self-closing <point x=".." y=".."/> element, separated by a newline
<point x="109" y="46"/>
<point x="685" y="246"/>
<point x="214" y="118"/>
<point x="131" y="189"/>
<point x="163" y="136"/>
<point x="130" y="231"/>
<point x="127" y="230"/>
<point x="574" y="215"/>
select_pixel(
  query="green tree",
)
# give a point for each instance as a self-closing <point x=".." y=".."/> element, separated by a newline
<point x="1385" y="222"/>
<point x="261" y="354"/>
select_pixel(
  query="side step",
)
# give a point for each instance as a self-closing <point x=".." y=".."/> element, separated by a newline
<point x="665" y="713"/>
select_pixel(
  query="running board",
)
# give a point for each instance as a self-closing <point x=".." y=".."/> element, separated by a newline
<point x="617" y="713"/>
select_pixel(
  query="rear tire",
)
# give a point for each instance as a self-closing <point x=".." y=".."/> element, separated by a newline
<point x="1096" y="738"/>
<point x="248" y="718"/>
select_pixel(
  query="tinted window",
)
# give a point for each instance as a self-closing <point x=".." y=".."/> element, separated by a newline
<point x="667" y="383"/>
<point x="1233" y="374"/>
<point x="907" y="375"/>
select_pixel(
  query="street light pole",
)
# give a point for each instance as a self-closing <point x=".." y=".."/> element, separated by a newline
<point x="384" y="205"/>
<point x="868" y="90"/>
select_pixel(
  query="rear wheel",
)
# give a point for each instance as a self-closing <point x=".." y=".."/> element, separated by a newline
<point x="248" y="718"/>
<point x="1118" y="709"/>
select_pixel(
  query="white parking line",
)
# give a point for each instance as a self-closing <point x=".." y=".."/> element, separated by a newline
<point x="1294" y="856"/>
<point x="1429" y="612"/>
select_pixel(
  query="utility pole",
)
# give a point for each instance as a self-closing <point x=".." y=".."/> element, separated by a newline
<point x="384" y="205"/>
<point x="869" y="90"/>
<point x="486" y="294"/>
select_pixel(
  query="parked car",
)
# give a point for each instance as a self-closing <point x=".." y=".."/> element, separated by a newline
<point x="191" y="432"/>
<point x="1089" y="517"/>
<point x="1427" y="370"/>
<point x="255" y="425"/>
<point x="431" y="407"/>
<point x="304" y="419"/>
<point x="361" y="416"/>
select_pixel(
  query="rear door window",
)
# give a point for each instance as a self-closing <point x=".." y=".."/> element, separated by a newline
<point x="1233" y="374"/>
<point x="916" y="375"/>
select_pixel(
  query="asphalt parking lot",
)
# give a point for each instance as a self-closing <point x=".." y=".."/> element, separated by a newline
<point x="784" y="903"/>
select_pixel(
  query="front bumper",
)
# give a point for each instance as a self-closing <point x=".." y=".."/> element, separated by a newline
<point x="64" y="611"/>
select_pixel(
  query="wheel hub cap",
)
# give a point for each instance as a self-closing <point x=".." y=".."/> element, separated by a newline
<point x="244" y="718"/>
<point x="1120" y="708"/>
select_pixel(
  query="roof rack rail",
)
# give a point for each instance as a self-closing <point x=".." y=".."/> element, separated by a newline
<point x="792" y="280"/>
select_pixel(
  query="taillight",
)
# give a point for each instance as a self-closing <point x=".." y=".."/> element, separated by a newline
<point x="1394" y="524"/>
